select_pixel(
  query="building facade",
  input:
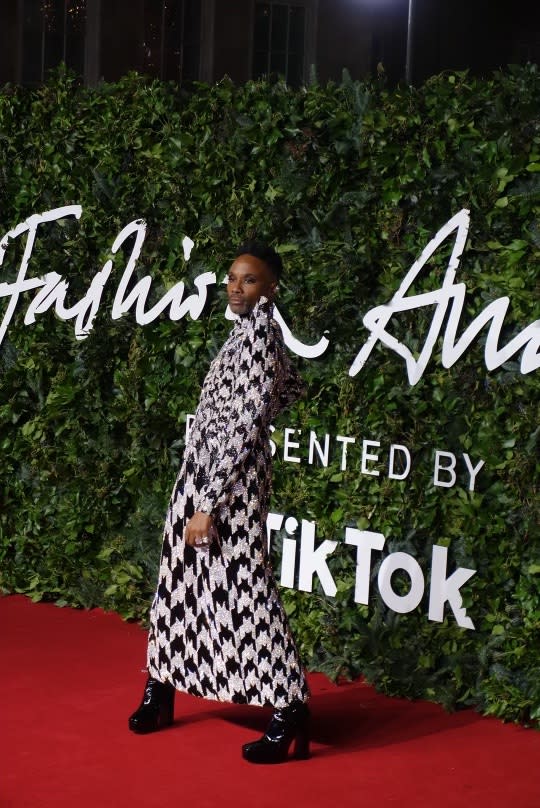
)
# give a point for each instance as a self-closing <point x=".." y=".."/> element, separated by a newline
<point x="187" y="40"/>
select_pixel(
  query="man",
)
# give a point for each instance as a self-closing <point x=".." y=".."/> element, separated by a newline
<point x="217" y="626"/>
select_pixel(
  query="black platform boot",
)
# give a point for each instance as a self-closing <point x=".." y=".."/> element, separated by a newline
<point x="156" y="710"/>
<point x="291" y="723"/>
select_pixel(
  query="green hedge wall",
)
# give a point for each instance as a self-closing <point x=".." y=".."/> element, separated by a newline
<point x="350" y="182"/>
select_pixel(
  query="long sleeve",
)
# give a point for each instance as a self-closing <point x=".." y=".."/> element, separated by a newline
<point x="292" y="387"/>
<point x="251" y="404"/>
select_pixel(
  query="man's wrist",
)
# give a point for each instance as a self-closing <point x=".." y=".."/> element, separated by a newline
<point x="205" y="506"/>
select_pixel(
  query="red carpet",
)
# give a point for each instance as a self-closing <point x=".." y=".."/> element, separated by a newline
<point x="70" y="679"/>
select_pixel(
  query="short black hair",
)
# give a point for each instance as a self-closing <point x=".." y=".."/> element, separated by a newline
<point x="265" y="253"/>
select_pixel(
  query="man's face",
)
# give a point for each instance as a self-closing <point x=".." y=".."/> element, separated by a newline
<point x="249" y="278"/>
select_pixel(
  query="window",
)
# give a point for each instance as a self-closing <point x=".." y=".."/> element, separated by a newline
<point x="279" y="41"/>
<point x="53" y="31"/>
<point x="103" y="39"/>
<point x="172" y="39"/>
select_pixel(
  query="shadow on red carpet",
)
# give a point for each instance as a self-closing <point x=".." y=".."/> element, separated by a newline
<point x="70" y="679"/>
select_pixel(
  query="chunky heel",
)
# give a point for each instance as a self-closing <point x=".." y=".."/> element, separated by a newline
<point x="291" y="723"/>
<point x="301" y="744"/>
<point x="156" y="709"/>
<point x="166" y="712"/>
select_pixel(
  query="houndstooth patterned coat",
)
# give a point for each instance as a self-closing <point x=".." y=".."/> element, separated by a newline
<point x="217" y="625"/>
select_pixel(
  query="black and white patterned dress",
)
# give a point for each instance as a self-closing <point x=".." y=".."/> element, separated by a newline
<point x="217" y="625"/>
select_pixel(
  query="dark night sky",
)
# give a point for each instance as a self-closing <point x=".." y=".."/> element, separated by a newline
<point x="480" y="35"/>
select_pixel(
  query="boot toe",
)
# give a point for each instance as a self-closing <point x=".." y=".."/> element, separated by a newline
<point x="143" y="721"/>
<point x="264" y="751"/>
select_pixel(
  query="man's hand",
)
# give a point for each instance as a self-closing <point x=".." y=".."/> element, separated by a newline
<point x="198" y="531"/>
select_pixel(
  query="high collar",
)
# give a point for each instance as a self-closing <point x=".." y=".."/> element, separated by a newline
<point x="263" y="308"/>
